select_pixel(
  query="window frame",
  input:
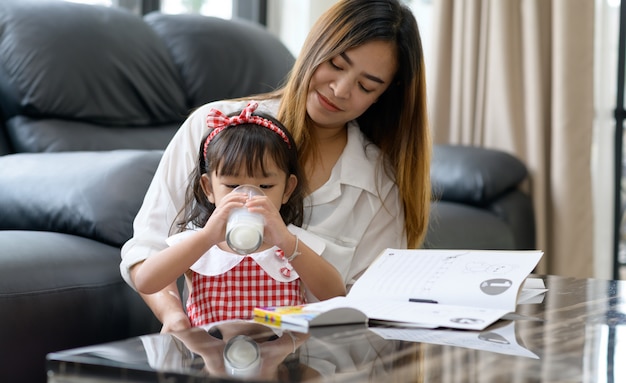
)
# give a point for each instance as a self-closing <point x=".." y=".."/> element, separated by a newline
<point x="254" y="10"/>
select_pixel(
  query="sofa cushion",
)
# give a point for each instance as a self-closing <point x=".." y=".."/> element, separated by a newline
<point x="457" y="226"/>
<point x="516" y="209"/>
<point x="59" y="291"/>
<point x="90" y="194"/>
<point x="474" y="175"/>
<point x="32" y="135"/>
<point x="214" y="55"/>
<point x="91" y="63"/>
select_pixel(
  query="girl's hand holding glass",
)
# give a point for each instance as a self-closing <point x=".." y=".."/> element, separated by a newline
<point x="244" y="230"/>
<point x="275" y="231"/>
<point x="216" y="226"/>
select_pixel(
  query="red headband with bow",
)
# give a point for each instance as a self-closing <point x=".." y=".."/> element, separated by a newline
<point x="218" y="121"/>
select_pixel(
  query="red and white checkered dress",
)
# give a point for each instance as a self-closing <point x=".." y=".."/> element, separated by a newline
<point x="229" y="286"/>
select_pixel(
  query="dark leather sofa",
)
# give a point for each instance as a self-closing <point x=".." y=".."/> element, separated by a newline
<point x="89" y="98"/>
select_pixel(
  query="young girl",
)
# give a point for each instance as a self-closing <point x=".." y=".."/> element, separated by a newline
<point x="252" y="150"/>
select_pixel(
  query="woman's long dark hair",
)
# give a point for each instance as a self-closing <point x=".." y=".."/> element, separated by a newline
<point x="398" y="122"/>
<point x="245" y="147"/>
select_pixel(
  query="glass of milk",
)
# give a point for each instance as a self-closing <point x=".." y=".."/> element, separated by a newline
<point x="242" y="357"/>
<point x="244" y="230"/>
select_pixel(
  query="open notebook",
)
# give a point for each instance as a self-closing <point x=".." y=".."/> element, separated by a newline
<point x="463" y="289"/>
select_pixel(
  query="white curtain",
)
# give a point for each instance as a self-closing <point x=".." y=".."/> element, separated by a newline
<point x="517" y="75"/>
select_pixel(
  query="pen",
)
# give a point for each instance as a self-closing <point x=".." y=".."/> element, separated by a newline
<point x="418" y="300"/>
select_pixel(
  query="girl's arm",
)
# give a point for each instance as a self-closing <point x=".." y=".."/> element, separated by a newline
<point x="165" y="267"/>
<point x="320" y="278"/>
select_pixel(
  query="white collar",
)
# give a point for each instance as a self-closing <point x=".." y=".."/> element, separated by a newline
<point x="358" y="166"/>
<point x="217" y="261"/>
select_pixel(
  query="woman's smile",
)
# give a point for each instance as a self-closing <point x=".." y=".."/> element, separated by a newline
<point x="327" y="104"/>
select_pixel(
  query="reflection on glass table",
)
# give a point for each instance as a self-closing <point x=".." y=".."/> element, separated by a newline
<point x="574" y="334"/>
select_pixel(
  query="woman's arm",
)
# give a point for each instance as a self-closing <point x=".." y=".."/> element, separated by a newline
<point x="167" y="307"/>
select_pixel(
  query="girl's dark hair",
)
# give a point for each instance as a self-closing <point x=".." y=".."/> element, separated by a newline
<point x="249" y="145"/>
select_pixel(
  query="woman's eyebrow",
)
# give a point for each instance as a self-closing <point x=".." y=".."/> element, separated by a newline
<point x="369" y="76"/>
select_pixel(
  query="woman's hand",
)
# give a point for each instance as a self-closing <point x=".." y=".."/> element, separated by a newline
<point x="175" y="321"/>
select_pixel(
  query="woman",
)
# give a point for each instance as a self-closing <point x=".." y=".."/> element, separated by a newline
<point x="355" y="104"/>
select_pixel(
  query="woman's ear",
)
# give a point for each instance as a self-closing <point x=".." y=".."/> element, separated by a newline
<point x="290" y="186"/>
<point x="205" y="182"/>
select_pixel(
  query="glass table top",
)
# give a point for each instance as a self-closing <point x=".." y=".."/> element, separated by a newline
<point x="575" y="332"/>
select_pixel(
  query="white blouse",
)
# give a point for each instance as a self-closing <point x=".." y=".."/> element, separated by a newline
<point x="355" y="215"/>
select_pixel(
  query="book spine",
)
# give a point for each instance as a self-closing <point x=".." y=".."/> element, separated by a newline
<point x="267" y="317"/>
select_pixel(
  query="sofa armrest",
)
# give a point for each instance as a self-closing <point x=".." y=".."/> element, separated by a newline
<point x="516" y="209"/>
<point x="90" y="194"/>
<point x="473" y="175"/>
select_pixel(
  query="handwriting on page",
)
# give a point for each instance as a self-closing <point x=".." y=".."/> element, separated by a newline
<point x="419" y="274"/>
<point x="439" y="276"/>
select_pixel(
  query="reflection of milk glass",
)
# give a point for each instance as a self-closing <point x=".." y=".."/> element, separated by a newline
<point x="244" y="230"/>
<point x="242" y="356"/>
